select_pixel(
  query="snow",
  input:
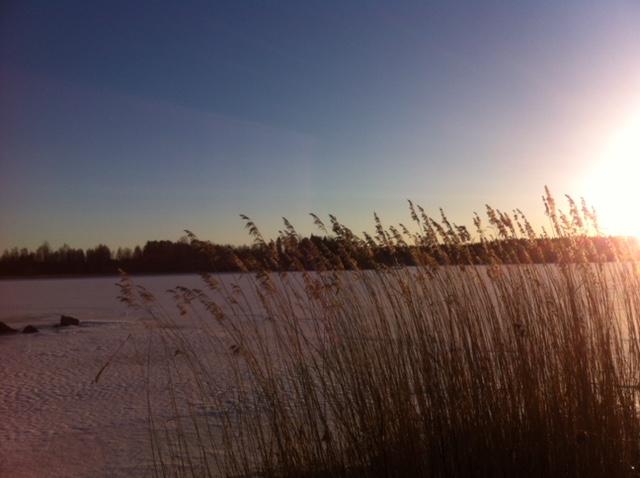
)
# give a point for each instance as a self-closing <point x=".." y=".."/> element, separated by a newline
<point x="55" y="420"/>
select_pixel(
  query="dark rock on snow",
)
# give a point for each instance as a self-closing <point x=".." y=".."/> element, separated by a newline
<point x="66" y="320"/>
<point x="6" y="330"/>
<point x="29" y="329"/>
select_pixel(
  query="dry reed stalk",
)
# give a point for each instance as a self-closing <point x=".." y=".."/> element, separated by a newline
<point x="443" y="369"/>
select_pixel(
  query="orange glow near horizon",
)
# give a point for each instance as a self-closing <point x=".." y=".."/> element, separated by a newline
<point x="614" y="184"/>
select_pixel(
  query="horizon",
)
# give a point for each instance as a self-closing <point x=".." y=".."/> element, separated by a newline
<point x="120" y="125"/>
<point x="250" y="242"/>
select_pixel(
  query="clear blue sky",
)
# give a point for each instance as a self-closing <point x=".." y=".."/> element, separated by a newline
<point x="127" y="121"/>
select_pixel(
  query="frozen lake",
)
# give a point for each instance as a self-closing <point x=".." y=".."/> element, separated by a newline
<point x="95" y="298"/>
<point x="56" y="422"/>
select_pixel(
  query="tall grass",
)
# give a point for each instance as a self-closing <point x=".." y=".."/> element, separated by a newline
<point x="434" y="370"/>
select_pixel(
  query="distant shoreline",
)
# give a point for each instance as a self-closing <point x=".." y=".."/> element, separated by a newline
<point x="105" y="275"/>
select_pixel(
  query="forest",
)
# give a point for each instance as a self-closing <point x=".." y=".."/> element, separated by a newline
<point x="342" y="252"/>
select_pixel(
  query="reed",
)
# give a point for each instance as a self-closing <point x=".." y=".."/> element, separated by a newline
<point x="445" y="368"/>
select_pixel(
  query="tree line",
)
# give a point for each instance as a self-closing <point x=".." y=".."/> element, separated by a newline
<point x="190" y="255"/>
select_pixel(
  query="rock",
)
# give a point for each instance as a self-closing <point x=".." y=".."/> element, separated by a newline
<point x="66" y="320"/>
<point x="29" y="329"/>
<point x="6" y="330"/>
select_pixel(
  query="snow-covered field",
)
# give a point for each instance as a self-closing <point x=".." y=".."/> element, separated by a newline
<point x="55" y="421"/>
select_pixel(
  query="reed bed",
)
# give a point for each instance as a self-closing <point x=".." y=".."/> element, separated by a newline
<point x="444" y="368"/>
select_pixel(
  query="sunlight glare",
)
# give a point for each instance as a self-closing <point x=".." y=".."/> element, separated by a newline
<point x="614" y="185"/>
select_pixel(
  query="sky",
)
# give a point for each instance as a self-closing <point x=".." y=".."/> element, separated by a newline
<point x="122" y="122"/>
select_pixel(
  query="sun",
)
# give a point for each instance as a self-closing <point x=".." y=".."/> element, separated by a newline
<point x="614" y="184"/>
